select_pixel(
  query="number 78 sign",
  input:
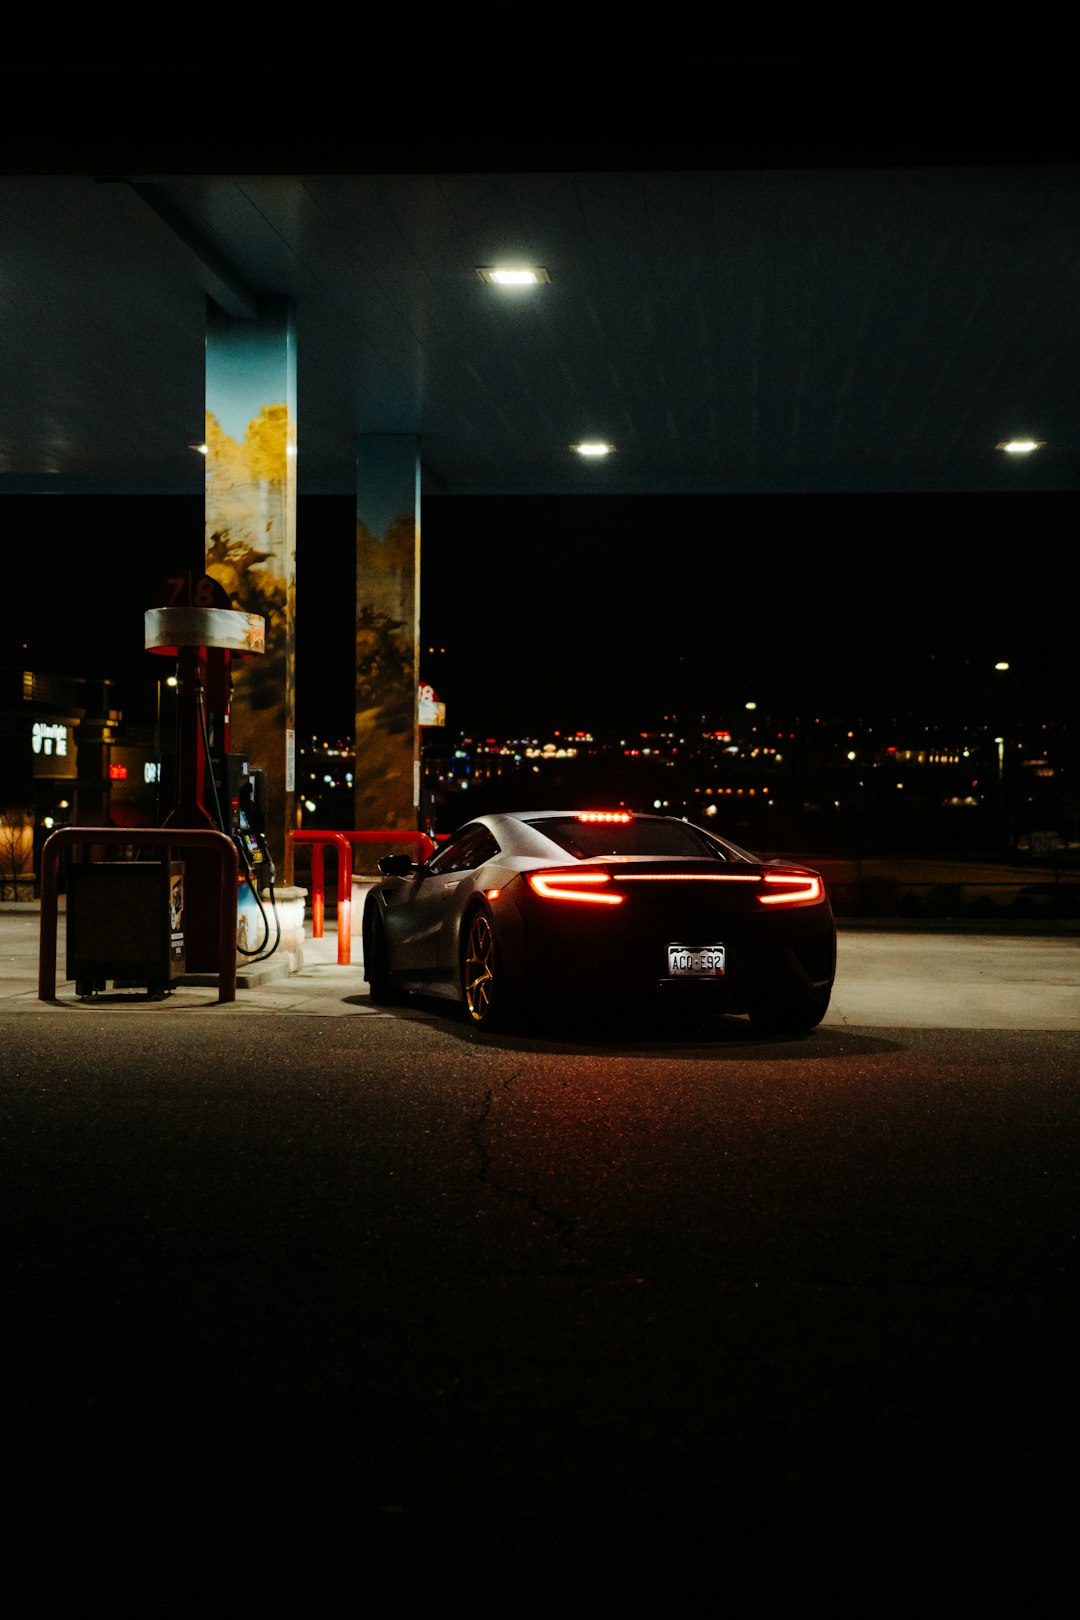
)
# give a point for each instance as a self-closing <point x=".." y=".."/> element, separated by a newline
<point x="430" y="711"/>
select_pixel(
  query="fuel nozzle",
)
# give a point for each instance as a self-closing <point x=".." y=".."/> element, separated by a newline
<point x="267" y="860"/>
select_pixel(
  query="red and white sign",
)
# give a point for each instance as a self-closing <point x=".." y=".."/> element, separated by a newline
<point x="431" y="711"/>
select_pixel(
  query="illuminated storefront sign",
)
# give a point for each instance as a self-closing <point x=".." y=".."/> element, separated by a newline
<point x="49" y="739"/>
<point x="53" y="747"/>
<point x="132" y="777"/>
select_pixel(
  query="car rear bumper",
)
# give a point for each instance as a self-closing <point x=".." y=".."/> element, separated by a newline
<point x="590" y="957"/>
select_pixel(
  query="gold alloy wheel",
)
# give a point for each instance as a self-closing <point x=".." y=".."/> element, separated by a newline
<point x="479" y="973"/>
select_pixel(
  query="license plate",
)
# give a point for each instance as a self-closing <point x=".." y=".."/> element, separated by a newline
<point x="697" y="962"/>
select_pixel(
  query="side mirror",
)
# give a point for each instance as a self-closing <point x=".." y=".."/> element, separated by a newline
<point x="396" y="865"/>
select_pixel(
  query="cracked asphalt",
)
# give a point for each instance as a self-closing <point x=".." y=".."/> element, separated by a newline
<point x="336" y="1314"/>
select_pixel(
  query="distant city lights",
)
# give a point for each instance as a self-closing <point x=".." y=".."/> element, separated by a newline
<point x="708" y="773"/>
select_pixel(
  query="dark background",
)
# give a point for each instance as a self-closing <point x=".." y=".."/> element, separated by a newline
<point x="566" y="613"/>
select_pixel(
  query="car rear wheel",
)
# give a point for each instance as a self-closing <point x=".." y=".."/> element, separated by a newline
<point x="483" y="987"/>
<point x="789" y="1015"/>
<point x="376" y="969"/>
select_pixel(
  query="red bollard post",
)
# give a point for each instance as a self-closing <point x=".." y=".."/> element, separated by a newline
<point x="318" y="891"/>
<point x="317" y="838"/>
<point x="344" y="902"/>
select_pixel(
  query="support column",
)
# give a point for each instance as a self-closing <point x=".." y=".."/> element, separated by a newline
<point x="251" y="537"/>
<point x="387" y="772"/>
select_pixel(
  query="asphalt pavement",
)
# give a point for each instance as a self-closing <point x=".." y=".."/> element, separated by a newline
<point x="319" y="1308"/>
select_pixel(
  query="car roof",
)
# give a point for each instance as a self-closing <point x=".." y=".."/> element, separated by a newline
<point x="529" y="817"/>
<point x="574" y="811"/>
<point x="522" y="828"/>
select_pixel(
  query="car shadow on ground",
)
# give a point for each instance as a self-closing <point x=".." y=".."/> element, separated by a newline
<point x="627" y="1035"/>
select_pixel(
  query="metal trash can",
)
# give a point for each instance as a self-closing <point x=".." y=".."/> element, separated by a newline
<point x="125" y="923"/>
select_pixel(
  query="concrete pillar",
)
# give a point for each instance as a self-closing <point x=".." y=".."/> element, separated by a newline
<point x="387" y="771"/>
<point x="251" y="537"/>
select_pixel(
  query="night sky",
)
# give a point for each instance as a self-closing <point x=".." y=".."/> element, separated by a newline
<point x="613" y="611"/>
<point x="608" y="613"/>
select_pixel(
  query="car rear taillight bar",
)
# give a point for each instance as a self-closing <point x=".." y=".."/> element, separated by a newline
<point x="688" y="877"/>
<point x="592" y="886"/>
<point x="792" y="889"/>
<point x="584" y="886"/>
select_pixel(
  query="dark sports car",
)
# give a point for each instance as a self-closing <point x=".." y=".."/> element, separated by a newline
<point x="553" y="910"/>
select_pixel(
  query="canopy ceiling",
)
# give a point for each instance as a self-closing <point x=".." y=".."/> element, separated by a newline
<point x="732" y="316"/>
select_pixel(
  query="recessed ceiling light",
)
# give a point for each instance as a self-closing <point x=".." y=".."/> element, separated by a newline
<point x="1020" y="447"/>
<point x="513" y="275"/>
<point x="593" y="448"/>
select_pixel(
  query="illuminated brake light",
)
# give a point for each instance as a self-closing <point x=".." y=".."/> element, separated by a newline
<point x="688" y="877"/>
<point x="573" y="886"/>
<point x="604" y="815"/>
<point x="799" y="888"/>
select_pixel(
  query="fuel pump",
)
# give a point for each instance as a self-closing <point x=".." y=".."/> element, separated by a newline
<point x="211" y="788"/>
<point x="247" y="807"/>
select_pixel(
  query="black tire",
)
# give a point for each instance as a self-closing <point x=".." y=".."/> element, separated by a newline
<point x="376" y="971"/>
<point x="484" y="992"/>
<point x="787" y="1016"/>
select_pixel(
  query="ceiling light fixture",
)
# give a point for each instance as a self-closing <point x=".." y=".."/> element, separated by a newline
<point x="594" y="449"/>
<point x="520" y="275"/>
<point x="1020" y="447"/>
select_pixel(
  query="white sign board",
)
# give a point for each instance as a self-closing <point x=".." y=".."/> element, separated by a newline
<point x="431" y="712"/>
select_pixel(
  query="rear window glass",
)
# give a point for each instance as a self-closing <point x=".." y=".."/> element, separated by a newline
<point x="642" y="836"/>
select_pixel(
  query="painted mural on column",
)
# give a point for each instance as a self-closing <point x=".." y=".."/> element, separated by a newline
<point x="387" y="665"/>
<point x="251" y="552"/>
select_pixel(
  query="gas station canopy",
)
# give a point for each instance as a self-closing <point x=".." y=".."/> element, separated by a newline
<point x="728" y="315"/>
